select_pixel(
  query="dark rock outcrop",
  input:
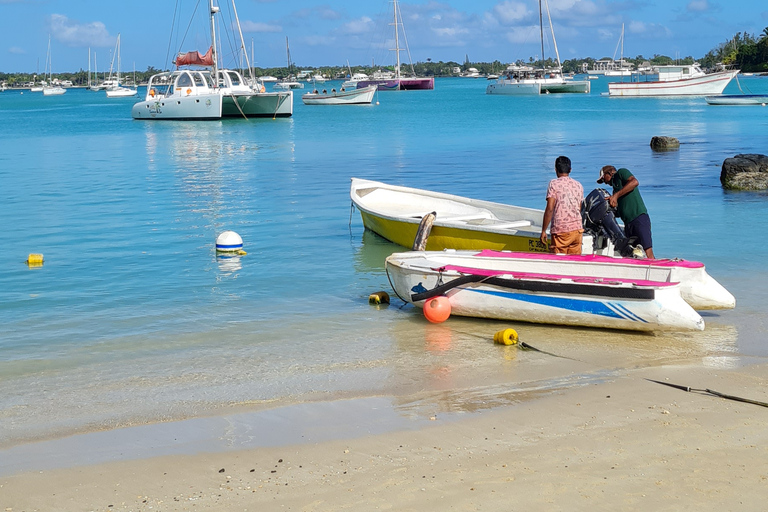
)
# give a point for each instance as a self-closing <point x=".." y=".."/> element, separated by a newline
<point x="664" y="143"/>
<point x="745" y="172"/>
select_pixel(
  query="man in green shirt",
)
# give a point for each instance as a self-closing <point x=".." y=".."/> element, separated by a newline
<point x="626" y="198"/>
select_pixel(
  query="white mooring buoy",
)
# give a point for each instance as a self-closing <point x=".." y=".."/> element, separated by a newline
<point x="229" y="241"/>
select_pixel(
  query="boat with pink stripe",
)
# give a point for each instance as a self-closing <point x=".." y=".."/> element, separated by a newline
<point x="589" y="290"/>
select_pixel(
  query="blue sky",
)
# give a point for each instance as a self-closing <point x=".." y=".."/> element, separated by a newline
<point x="330" y="32"/>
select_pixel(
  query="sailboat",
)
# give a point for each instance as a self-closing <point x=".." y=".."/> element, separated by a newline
<point x="526" y="80"/>
<point x="386" y="81"/>
<point x="116" y="89"/>
<point x="49" y="89"/>
<point x="624" y="69"/>
<point x="290" y="81"/>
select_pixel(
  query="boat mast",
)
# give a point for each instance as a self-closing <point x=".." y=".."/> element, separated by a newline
<point x="118" y="58"/>
<point x="541" y="30"/>
<point x="242" y="42"/>
<point x="397" y="43"/>
<point x="554" y="41"/>
<point x="214" y="9"/>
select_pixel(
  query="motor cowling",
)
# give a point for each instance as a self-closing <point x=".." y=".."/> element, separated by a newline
<point x="599" y="219"/>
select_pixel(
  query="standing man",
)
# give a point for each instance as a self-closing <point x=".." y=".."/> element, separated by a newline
<point x="564" y="198"/>
<point x="626" y="197"/>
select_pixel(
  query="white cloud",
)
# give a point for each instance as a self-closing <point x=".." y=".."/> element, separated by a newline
<point x="698" y="6"/>
<point x="16" y="50"/>
<point x="358" y="26"/>
<point x="510" y="12"/>
<point x="252" y="26"/>
<point x="450" y="31"/>
<point x="73" y="33"/>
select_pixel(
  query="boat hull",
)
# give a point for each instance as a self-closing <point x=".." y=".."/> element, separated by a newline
<point x="510" y="88"/>
<point x="547" y="299"/>
<point x="700" y="86"/>
<point x="197" y="107"/>
<point x="362" y="96"/>
<point x="395" y="212"/>
<point x="738" y="99"/>
<point x="122" y="92"/>
<point x="399" y="84"/>
<point x="257" y="104"/>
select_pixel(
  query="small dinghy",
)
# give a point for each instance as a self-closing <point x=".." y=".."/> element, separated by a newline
<point x="550" y="289"/>
<point x="737" y="99"/>
<point x="363" y="96"/>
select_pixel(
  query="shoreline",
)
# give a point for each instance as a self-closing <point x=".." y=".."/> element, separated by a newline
<point x="627" y="440"/>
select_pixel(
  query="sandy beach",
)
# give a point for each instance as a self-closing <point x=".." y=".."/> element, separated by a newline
<point x="623" y="444"/>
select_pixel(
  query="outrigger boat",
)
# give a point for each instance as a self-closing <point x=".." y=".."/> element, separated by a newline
<point x="551" y="289"/>
<point x="395" y="212"/>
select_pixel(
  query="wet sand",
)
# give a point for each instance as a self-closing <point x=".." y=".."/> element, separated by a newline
<point x="624" y="443"/>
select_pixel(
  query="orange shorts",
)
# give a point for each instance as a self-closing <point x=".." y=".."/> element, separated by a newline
<point x="567" y="243"/>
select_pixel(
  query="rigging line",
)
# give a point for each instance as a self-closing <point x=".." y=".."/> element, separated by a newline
<point x="190" y="25"/>
<point x="405" y="39"/>
<point x="711" y="392"/>
<point x="170" y="36"/>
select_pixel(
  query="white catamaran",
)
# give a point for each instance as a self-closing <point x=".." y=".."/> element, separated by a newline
<point x="525" y="80"/>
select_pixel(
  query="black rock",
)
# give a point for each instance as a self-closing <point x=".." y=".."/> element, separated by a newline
<point x="745" y="172"/>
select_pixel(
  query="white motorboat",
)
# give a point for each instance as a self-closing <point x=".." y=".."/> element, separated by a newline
<point x="526" y="80"/>
<point x="362" y="96"/>
<point x="354" y="79"/>
<point x="505" y="288"/>
<point x="682" y="80"/>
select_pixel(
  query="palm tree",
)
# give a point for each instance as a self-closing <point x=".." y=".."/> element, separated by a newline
<point x="764" y="33"/>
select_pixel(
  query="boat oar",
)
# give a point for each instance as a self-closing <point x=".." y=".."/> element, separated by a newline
<point x="711" y="392"/>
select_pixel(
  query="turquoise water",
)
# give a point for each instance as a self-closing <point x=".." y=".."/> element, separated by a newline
<point x="133" y="318"/>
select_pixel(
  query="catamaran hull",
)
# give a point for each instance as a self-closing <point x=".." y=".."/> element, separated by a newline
<point x="556" y="300"/>
<point x="197" y="107"/>
<point x="510" y="88"/>
<point x="261" y="104"/>
<point x="700" y="86"/>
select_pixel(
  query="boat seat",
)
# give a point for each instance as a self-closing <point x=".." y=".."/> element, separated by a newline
<point x="465" y="218"/>
<point x="516" y="224"/>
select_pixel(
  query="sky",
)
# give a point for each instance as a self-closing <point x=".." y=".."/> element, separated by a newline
<point x="361" y="32"/>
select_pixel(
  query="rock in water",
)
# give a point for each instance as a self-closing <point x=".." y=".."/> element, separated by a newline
<point x="745" y="172"/>
<point x="664" y="143"/>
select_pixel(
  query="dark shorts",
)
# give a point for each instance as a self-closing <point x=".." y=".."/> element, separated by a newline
<point x="641" y="228"/>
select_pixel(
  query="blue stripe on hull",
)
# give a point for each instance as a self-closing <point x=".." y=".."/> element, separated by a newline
<point x="609" y="309"/>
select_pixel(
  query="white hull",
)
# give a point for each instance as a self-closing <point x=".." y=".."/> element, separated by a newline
<point x="122" y="92"/>
<point x="53" y="91"/>
<point x="512" y="88"/>
<point x="362" y="96"/>
<point x="738" y="99"/>
<point x="592" y="301"/>
<point x="699" y="86"/>
<point x="198" y="107"/>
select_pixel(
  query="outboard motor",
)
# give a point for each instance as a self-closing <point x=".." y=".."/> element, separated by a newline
<point x="599" y="219"/>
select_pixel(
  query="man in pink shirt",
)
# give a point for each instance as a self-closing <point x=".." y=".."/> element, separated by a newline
<point x="564" y="198"/>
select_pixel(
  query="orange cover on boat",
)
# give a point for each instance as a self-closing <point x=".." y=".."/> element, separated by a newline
<point x="195" y="58"/>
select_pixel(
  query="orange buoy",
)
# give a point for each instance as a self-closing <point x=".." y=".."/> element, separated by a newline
<point x="437" y="309"/>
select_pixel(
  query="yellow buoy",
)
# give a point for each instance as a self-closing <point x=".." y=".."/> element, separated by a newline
<point x="506" y="337"/>
<point x="378" y="298"/>
<point x="35" y="260"/>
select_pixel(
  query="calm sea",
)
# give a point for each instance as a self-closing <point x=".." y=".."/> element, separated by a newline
<point x="133" y="319"/>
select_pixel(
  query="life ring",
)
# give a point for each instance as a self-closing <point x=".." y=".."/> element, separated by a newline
<point x="189" y="91"/>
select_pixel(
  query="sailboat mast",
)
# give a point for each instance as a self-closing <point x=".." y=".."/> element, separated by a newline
<point x="397" y="43"/>
<point x="118" y="58"/>
<point x="242" y="41"/>
<point x="213" y="10"/>
<point x="541" y="30"/>
<point x="554" y="41"/>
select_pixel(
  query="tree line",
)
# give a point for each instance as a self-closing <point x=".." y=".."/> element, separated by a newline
<point x="744" y="51"/>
